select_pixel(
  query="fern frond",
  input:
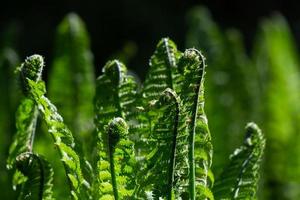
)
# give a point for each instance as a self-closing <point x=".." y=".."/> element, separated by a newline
<point x="230" y="91"/>
<point x="160" y="75"/>
<point x="115" y="97"/>
<point x="195" y="132"/>
<point x="39" y="177"/>
<point x="158" y="175"/>
<point x="27" y="112"/>
<point x="26" y="118"/>
<point x="116" y="164"/>
<point x="62" y="136"/>
<point x="73" y="69"/>
<point x="239" y="180"/>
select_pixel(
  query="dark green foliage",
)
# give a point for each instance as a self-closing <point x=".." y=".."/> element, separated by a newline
<point x="277" y="66"/>
<point x="163" y="140"/>
<point x="115" y="95"/>
<point x="8" y="104"/>
<point x="151" y="142"/>
<point x="39" y="177"/>
<point x="229" y="89"/>
<point x="240" y="179"/>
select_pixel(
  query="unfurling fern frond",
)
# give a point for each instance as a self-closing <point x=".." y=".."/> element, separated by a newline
<point x="161" y="160"/>
<point x="39" y="177"/>
<point x="195" y="135"/>
<point x="239" y="180"/>
<point x="116" y="165"/>
<point x="162" y="64"/>
<point x="161" y="75"/>
<point x="115" y="97"/>
<point x="26" y="118"/>
<point x="61" y="134"/>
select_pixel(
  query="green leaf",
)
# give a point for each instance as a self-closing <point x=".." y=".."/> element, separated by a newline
<point x="73" y="69"/>
<point x="161" y="75"/>
<point x="158" y="175"/>
<point x="61" y="135"/>
<point x="239" y="179"/>
<point x="195" y="135"/>
<point x="116" y="165"/>
<point x="115" y="97"/>
<point x="26" y="118"/>
<point x="39" y="174"/>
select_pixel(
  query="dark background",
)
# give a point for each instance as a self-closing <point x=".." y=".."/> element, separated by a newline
<point x="113" y="23"/>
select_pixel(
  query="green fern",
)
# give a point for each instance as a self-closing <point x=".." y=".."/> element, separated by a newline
<point x="240" y="179"/>
<point x="73" y="68"/>
<point x="39" y="177"/>
<point x="116" y="93"/>
<point x="151" y="142"/>
<point x="163" y="139"/>
<point x="26" y="119"/>
<point x="191" y="91"/>
<point x="61" y="134"/>
<point x="230" y="91"/>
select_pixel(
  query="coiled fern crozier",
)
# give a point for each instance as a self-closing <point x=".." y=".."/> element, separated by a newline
<point x="153" y="141"/>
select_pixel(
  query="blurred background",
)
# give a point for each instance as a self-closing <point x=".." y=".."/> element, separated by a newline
<point x="113" y="24"/>
<point x="253" y="68"/>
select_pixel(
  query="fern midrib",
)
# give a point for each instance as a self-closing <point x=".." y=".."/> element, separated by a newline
<point x="42" y="174"/>
<point x="169" y="71"/>
<point x="239" y="178"/>
<point x="33" y="129"/>
<point x="192" y="144"/>
<point x="173" y="152"/>
<point x="112" y="168"/>
<point x="117" y="97"/>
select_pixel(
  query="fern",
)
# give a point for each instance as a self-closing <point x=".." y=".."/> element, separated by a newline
<point x="61" y="134"/>
<point x="39" y="177"/>
<point x="151" y="142"/>
<point x="163" y="139"/>
<point x="116" y="93"/>
<point x="73" y="68"/>
<point x="192" y="66"/>
<point x="161" y="75"/>
<point x="27" y="114"/>
<point x="240" y="179"/>
<point x="230" y="92"/>
<point x="26" y="119"/>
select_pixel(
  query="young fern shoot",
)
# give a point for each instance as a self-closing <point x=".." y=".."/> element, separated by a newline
<point x="239" y="180"/>
<point x="61" y="134"/>
<point x="151" y="143"/>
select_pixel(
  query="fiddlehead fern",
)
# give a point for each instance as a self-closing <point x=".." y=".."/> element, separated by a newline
<point x="239" y="180"/>
<point x="61" y="134"/>
<point x="39" y="177"/>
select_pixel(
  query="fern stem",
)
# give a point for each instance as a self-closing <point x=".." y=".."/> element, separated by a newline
<point x="170" y="60"/>
<point x="197" y="91"/>
<point x="173" y="151"/>
<point x="112" y="170"/>
<point x="33" y="124"/>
